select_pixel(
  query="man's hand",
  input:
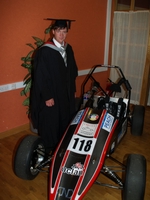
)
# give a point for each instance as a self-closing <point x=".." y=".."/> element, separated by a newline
<point x="49" y="102"/>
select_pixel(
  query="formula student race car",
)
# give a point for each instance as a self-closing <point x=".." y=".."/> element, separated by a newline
<point x="90" y="139"/>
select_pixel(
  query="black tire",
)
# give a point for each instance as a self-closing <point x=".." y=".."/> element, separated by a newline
<point x="137" y="121"/>
<point x="135" y="178"/>
<point x="27" y="158"/>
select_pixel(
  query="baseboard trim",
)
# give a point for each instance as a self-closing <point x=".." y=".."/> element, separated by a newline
<point x="14" y="131"/>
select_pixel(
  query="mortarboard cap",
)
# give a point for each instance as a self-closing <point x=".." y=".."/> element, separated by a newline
<point x="62" y="23"/>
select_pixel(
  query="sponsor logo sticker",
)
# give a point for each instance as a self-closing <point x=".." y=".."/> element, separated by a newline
<point x="108" y="122"/>
<point x="76" y="169"/>
<point x="64" y="192"/>
<point x="87" y="129"/>
<point x="77" y="117"/>
<point x="93" y="117"/>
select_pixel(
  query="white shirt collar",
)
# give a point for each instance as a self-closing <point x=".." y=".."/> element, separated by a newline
<point x="57" y="43"/>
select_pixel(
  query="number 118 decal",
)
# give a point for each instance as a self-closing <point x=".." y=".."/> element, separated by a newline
<point x="82" y="145"/>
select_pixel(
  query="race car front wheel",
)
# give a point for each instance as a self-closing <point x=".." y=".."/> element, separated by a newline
<point x="137" y="121"/>
<point x="29" y="154"/>
<point x="135" y="178"/>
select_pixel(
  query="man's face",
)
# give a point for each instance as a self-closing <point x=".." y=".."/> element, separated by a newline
<point x="60" y="34"/>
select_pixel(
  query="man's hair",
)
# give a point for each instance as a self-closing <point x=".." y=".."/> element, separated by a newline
<point x="59" y="27"/>
<point x="62" y="24"/>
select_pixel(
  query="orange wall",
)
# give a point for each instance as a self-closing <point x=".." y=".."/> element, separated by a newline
<point x="20" y="20"/>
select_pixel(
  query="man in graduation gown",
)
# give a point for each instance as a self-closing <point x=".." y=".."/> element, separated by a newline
<point x="53" y="86"/>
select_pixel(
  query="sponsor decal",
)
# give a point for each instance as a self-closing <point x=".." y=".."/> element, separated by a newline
<point x="75" y="170"/>
<point x="93" y="117"/>
<point x="108" y="122"/>
<point x="77" y="117"/>
<point x="87" y="129"/>
<point x="63" y="192"/>
<point x="118" y="111"/>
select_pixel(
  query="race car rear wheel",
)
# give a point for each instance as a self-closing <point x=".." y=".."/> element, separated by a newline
<point x="135" y="178"/>
<point x="137" y="121"/>
<point x="29" y="154"/>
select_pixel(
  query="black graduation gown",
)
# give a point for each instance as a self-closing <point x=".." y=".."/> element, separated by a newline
<point x="52" y="79"/>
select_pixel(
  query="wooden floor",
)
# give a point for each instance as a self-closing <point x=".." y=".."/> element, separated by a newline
<point x="11" y="187"/>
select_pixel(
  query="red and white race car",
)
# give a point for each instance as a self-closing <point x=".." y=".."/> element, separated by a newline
<point x="91" y="138"/>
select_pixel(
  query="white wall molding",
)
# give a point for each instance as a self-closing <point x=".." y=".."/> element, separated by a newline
<point x="86" y="71"/>
<point x="11" y="86"/>
<point x="18" y="85"/>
